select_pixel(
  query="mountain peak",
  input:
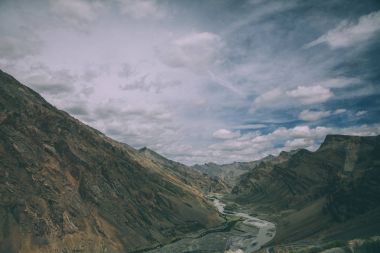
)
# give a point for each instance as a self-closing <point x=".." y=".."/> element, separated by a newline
<point x="338" y="140"/>
<point x="151" y="154"/>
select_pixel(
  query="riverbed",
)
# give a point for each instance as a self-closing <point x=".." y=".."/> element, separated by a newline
<point x="266" y="233"/>
<point x="242" y="233"/>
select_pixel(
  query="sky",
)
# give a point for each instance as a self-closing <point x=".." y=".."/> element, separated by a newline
<point x="202" y="81"/>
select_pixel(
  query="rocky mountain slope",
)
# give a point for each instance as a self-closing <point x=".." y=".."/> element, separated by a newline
<point x="335" y="189"/>
<point x="231" y="172"/>
<point x="187" y="174"/>
<point x="226" y="172"/>
<point x="65" y="187"/>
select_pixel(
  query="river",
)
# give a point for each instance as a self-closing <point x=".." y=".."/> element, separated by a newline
<point x="267" y="231"/>
<point x="241" y="233"/>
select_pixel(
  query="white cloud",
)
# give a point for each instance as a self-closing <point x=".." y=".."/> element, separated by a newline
<point x="266" y="98"/>
<point x="196" y="51"/>
<point x="299" y="143"/>
<point x="225" y="134"/>
<point x="298" y="132"/>
<point x="311" y="94"/>
<point x="138" y="125"/>
<point x="361" y="113"/>
<point x="308" y="115"/>
<point x="253" y="145"/>
<point x="350" y="33"/>
<point x="250" y="126"/>
<point x="339" y="111"/>
<point x="311" y="115"/>
<point x="340" y="82"/>
<point x="139" y="9"/>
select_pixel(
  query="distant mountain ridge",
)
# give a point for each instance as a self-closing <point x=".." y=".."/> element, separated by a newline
<point x="232" y="171"/>
<point x="66" y="187"/>
<point x="188" y="174"/>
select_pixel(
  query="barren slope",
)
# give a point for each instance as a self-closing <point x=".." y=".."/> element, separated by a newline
<point x="66" y="186"/>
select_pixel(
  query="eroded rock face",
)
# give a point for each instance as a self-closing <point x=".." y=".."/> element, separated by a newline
<point x="345" y="170"/>
<point x="65" y="187"/>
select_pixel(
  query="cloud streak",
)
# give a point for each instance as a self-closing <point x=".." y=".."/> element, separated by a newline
<point x="311" y="95"/>
<point x="310" y="115"/>
<point x="349" y="33"/>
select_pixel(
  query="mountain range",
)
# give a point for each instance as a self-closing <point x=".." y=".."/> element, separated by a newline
<point x="66" y="187"/>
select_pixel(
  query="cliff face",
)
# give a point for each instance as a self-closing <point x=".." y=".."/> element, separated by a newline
<point x="67" y="187"/>
<point x="355" y="189"/>
<point x="306" y="175"/>
<point x="337" y="184"/>
<point x="283" y="185"/>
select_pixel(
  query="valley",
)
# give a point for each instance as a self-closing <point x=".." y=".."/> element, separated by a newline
<point x="192" y="126"/>
<point x="241" y="233"/>
<point x="318" y="200"/>
<point x="66" y="187"/>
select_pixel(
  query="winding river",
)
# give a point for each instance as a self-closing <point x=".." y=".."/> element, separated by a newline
<point x="241" y="233"/>
<point x="266" y="232"/>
